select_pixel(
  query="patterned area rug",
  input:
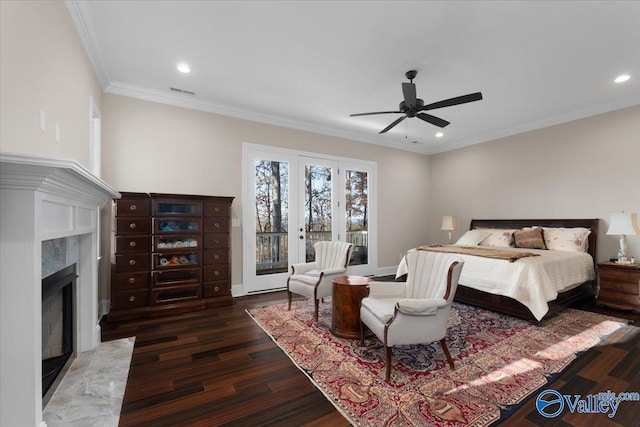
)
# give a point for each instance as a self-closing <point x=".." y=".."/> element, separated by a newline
<point x="500" y="361"/>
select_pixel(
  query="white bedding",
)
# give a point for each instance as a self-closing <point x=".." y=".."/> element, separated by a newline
<point x="531" y="280"/>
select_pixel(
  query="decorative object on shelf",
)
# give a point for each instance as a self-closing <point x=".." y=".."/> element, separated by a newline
<point x="623" y="224"/>
<point x="449" y="223"/>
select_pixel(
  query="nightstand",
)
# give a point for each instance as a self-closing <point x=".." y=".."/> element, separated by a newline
<point x="619" y="286"/>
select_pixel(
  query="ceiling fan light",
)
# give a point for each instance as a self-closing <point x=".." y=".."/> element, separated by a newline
<point x="622" y="78"/>
<point x="184" y="68"/>
<point x="439" y="135"/>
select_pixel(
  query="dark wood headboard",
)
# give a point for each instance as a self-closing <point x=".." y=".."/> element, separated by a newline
<point x="591" y="224"/>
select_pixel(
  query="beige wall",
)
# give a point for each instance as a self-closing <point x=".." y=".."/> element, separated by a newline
<point x="44" y="67"/>
<point x="588" y="168"/>
<point x="151" y="147"/>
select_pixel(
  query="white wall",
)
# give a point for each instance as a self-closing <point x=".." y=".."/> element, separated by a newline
<point x="44" y="67"/>
<point x="588" y="168"/>
<point x="151" y="147"/>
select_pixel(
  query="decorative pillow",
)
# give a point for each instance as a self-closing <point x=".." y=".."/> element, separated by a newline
<point x="530" y="238"/>
<point x="472" y="237"/>
<point x="567" y="239"/>
<point x="502" y="237"/>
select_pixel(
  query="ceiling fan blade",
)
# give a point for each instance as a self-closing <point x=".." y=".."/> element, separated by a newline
<point x="393" y="124"/>
<point x="453" y="101"/>
<point x="409" y="92"/>
<point x="378" y="112"/>
<point x="433" y="120"/>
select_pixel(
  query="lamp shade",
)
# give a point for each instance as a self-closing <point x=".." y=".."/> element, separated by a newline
<point x="624" y="223"/>
<point x="449" y="223"/>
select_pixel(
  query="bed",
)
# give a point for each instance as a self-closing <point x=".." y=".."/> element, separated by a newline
<point x="537" y="285"/>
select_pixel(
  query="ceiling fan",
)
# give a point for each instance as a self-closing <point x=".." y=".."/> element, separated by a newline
<point x="413" y="107"/>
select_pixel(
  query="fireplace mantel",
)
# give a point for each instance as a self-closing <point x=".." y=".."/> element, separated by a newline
<point x="41" y="199"/>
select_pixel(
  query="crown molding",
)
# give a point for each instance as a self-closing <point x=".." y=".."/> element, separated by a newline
<point x="190" y="102"/>
<point x="83" y="20"/>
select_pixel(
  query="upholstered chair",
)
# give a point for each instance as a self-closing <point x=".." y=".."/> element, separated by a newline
<point x="313" y="279"/>
<point x="415" y="311"/>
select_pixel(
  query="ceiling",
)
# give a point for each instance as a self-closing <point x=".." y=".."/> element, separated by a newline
<point x="310" y="64"/>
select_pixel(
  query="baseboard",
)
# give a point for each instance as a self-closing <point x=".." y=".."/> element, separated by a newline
<point x="103" y="308"/>
<point x="237" y="290"/>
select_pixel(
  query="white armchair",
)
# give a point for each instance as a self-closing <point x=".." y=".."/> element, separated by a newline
<point x="415" y="311"/>
<point x="313" y="279"/>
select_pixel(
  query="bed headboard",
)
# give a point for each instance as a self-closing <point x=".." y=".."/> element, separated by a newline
<point x="591" y="224"/>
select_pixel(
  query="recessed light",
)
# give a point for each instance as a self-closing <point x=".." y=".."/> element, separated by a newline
<point x="622" y="78"/>
<point x="439" y="135"/>
<point x="184" y="68"/>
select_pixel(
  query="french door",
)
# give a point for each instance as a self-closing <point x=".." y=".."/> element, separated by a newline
<point x="293" y="200"/>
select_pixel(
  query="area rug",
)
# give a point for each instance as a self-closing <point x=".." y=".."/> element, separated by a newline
<point x="500" y="361"/>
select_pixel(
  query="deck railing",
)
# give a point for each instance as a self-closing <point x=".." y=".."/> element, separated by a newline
<point x="272" y="249"/>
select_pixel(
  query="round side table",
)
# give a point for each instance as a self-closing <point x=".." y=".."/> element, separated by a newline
<point x="348" y="291"/>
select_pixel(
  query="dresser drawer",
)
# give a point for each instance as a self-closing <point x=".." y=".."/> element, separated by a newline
<point x="173" y="260"/>
<point x="132" y="262"/>
<point x="132" y="244"/>
<point x="134" y="280"/>
<point x="177" y="225"/>
<point x="216" y="272"/>
<point x="176" y="294"/>
<point x="216" y="225"/>
<point x="128" y="226"/>
<point x="215" y="256"/>
<point x="216" y="289"/>
<point x="129" y="299"/>
<point x="177" y="207"/>
<point x="191" y="276"/>
<point x="217" y="209"/>
<point x="212" y="240"/>
<point x="132" y="207"/>
<point x="163" y="242"/>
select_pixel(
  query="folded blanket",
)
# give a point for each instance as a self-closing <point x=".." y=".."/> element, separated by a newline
<point x="478" y="251"/>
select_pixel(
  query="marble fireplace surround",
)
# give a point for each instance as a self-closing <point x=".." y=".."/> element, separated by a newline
<point x="42" y="199"/>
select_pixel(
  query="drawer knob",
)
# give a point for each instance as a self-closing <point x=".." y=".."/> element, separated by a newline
<point x="216" y="273"/>
<point x="216" y="256"/>
<point x="132" y="225"/>
<point x="133" y="207"/>
<point x="217" y="288"/>
<point x="132" y="262"/>
<point x="217" y="241"/>
<point x="132" y="243"/>
<point x="132" y="280"/>
<point x="132" y="299"/>
<point x="217" y="209"/>
<point x="216" y="225"/>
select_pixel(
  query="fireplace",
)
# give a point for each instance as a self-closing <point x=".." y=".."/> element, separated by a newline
<point x="58" y="294"/>
<point x="43" y="199"/>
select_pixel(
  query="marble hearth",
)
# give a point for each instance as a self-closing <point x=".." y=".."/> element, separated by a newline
<point x="42" y="199"/>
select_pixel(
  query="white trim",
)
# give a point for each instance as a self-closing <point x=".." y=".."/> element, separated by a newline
<point x="81" y="16"/>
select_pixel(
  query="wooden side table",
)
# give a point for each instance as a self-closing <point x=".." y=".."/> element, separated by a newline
<point x="619" y="286"/>
<point x="348" y="291"/>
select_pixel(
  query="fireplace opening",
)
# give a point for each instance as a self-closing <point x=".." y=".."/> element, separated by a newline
<point x="57" y="327"/>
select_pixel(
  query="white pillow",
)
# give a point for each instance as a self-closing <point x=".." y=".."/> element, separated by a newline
<point x="501" y="237"/>
<point x="575" y="239"/>
<point x="472" y="237"/>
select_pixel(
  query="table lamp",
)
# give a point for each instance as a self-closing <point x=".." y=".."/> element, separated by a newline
<point x="449" y="223"/>
<point x="623" y="224"/>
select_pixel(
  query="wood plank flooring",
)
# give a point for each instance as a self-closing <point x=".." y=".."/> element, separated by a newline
<point x="218" y="368"/>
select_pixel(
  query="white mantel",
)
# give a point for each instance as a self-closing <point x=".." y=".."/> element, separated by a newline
<point x="42" y="199"/>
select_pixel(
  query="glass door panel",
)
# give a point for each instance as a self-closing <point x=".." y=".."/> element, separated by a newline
<point x="272" y="217"/>
<point x="318" y="193"/>
<point x="357" y="214"/>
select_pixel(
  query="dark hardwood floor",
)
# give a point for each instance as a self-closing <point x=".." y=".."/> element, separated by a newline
<point x="218" y="368"/>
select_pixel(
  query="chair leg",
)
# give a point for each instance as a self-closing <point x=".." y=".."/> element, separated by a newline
<point x="315" y="315"/>
<point x="361" y="333"/>
<point x="387" y="374"/>
<point x="289" y="295"/>
<point x="446" y="353"/>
